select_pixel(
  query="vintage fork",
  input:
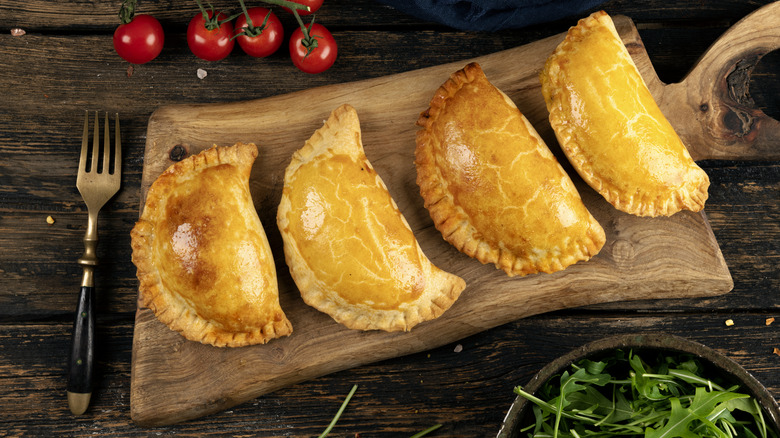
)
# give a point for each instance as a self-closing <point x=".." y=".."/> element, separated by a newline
<point x="99" y="178"/>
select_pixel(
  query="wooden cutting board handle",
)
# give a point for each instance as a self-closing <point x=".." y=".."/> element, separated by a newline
<point x="711" y="108"/>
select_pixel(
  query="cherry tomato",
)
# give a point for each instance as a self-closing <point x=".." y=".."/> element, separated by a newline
<point x="265" y="35"/>
<point x="314" y="6"/>
<point x="211" y="42"/>
<point x="315" y="55"/>
<point x="140" y="40"/>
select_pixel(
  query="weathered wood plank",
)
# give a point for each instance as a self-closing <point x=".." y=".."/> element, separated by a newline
<point x="66" y="63"/>
<point x="60" y="15"/>
<point x="398" y="396"/>
<point x="42" y="80"/>
<point x="174" y="15"/>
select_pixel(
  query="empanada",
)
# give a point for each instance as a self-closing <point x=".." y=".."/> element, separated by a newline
<point x="612" y="130"/>
<point x="493" y="188"/>
<point x="349" y="249"/>
<point x="204" y="264"/>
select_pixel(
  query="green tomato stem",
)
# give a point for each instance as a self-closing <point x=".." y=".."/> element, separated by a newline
<point x="127" y="11"/>
<point x="205" y="13"/>
<point x="288" y="4"/>
<point x="300" y="23"/>
<point x="309" y="42"/>
<point x="213" y="22"/>
<point x="246" y="13"/>
<point x="251" y="30"/>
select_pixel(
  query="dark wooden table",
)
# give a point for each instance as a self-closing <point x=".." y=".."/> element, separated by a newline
<point x="65" y="63"/>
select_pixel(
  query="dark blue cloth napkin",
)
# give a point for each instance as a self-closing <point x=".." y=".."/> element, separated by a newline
<point x="492" y="15"/>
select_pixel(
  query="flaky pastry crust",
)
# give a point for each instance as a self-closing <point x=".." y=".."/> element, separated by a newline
<point x="204" y="264"/>
<point x="349" y="249"/>
<point x="611" y="129"/>
<point x="492" y="187"/>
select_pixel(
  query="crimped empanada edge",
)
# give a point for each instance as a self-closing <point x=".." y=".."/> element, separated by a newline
<point x="689" y="196"/>
<point x="453" y="223"/>
<point x="152" y="293"/>
<point x="446" y="287"/>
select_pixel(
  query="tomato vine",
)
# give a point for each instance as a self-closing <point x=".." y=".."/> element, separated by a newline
<point x="211" y="34"/>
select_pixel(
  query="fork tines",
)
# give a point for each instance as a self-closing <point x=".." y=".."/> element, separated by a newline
<point x="91" y="153"/>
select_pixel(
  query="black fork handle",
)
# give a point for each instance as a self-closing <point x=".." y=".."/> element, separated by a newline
<point x="82" y="352"/>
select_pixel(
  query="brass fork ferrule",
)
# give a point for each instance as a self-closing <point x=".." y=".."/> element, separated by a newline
<point x="89" y="260"/>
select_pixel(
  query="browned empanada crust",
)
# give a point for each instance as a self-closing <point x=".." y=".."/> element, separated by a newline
<point x="204" y="264"/>
<point x="350" y="250"/>
<point x="492" y="187"/>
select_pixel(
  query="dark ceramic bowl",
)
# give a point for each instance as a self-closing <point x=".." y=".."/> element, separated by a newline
<point x="726" y="368"/>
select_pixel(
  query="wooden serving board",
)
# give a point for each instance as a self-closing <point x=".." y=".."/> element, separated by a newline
<point x="644" y="258"/>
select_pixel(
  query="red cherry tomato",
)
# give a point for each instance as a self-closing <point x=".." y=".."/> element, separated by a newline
<point x="210" y="44"/>
<point x="306" y="56"/>
<point x="140" y="40"/>
<point x="265" y="35"/>
<point x="314" y="6"/>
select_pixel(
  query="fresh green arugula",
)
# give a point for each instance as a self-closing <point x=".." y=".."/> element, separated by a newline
<point x="622" y="395"/>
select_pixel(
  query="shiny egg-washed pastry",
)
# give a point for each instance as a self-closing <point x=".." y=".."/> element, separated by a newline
<point x="349" y="249"/>
<point x="204" y="264"/>
<point x="493" y="188"/>
<point x="612" y="130"/>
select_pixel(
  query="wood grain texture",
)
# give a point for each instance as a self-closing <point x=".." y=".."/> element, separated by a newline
<point x="394" y="398"/>
<point x="711" y="108"/>
<point x="65" y="64"/>
<point x="60" y="15"/>
<point x="643" y="258"/>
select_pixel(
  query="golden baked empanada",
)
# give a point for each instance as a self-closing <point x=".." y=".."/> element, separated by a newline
<point x="611" y="129"/>
<point x="349" y="249"/>
<point x="491" y="185"/>
<point x="204" y="264"/>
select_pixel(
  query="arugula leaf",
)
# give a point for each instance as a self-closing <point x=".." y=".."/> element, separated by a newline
<point x="622" y="395"/>
<point x="681" y="418"/>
